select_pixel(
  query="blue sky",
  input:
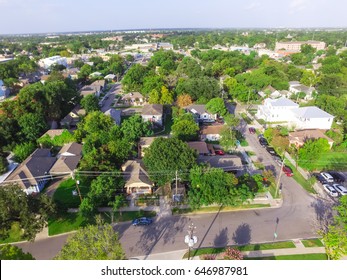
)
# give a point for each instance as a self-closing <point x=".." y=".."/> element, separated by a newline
<point x="32" y="16"/>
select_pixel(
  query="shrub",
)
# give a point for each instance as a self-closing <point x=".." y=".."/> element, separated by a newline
<point x="233" y="254"/>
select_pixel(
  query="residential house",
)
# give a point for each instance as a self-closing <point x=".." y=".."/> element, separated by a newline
<point x="200" y="147"/>
<point x="46" y="63"/>
<point x="133" y="99"/>
<point x="72" y="73"/>
<point x="311" y="117"/>
<point x="211" y="132"/>
<point x="296" y="87"/>
<point x="67" y="159"/>
<point x="227" y="162"/>
<point x="73" y="118"/>
<point x="200" y="113"/>
<point x="144" y="143"/>
<point x="95" y="88"/>
<point x="31" y="175"/>
<point x="288" y="112"/>
<point x="136" y="178"/>
<point x="153" y="113"/>
<point x="275" y="110"/>
<point x="115" y="115"/>
<point x="298" y="138"/>
<point x="4" y="91"/>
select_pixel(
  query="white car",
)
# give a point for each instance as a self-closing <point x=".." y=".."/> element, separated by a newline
<point x="330" y="190"/>
<point x="340" y="189"/>
<point x="327" y="177"/>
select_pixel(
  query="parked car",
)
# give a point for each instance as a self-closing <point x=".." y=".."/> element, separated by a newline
<point x="142" y="221"/>
<point x="330" y="190"/>
<point x="251" y="130"/>
<point x="320" y="178"/>
<point x="340" y="189"/>
<point x="271" y="151"/>
<point x="338" y="178"/>
<point x="278" y="160"/>
<point x="261" y="136"/>
<point x="219" y="152"/>
<point x="287" y="170"/>
<point x="327" y="177"/>
<point x="263" y="142"/>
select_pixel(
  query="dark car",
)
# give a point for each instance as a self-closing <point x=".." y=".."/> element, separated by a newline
<point x="251" y="130"/>
<point x="339" y="178"/>
<point x="271" y="151"/>
<point x="287" y="170"/>
<point x="260" y="136"/>
<point x="219" y="152"/>
<point x="320" y="178"/>
<point x="142" y="221"/>
<point x="263" y="142"/>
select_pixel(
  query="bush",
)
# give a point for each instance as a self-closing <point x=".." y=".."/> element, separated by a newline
<point x="22" y="151"/>
<point x="208" y="257"/>
<point x="3" y="164"/>
<point x="233" y="254"/>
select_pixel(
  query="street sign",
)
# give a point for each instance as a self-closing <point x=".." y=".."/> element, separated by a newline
<point x="275" y="235"/>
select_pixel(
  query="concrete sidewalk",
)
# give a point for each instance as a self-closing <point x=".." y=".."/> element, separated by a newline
<point x="298" y="250"/>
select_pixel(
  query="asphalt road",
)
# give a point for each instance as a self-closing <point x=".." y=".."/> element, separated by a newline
<point x="115" y="89"/>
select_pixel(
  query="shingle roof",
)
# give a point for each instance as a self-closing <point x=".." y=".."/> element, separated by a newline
<point x="72" y="148"/>
<point x="311" y="112"/>
<point x="65" y="164"/>
<point x="114" y="114"/>
<point x="196" y="108"/>
<point x="152" y="109"/>
<point x="199" y="146"/>
<point x="212" y="129"/>
<point x="135" y="173"/>
<point x="283" y="102"/>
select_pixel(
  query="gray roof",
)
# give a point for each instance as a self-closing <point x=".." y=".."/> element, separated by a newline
<point x="72" y="148"/>
<point x="114" y="114"/>
<point x="152" y="109"/>
<point x="135" y="173"/>
<point x="199" y="146"/>
<point x="196" y="108"/>
<point x="226" y="162"/>
<point x="283" y="102"/>
<point x="65" y="164"/>
<point x="311" y="112"/>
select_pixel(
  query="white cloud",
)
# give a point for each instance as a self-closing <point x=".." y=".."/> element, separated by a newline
<point x="252" y="6"/>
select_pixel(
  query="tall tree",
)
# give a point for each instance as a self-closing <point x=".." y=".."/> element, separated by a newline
<point x="185" y="128"/>
<point x="90" y="103"/>
<point x="217" y="106"/>
<point x="93" y="242"/>
<point x="165" y="156"/>
<point x="30" y="212"/>
<point x="184" y="100"/>
<point x="32" y="126"/>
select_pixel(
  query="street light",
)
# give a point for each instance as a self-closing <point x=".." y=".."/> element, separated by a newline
<point x="190" y="239"/>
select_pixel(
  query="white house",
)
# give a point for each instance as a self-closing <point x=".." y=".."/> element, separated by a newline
<point x="153" y="113"/>
<point x="296" y="87"/>
<point x="275" y="110"/>
<point x="287" y="111"/>
<point x="4" y="91"/>
<point x="200" y="113"/>
<point x="48" y="62"/>
<point x="211" y="132"/>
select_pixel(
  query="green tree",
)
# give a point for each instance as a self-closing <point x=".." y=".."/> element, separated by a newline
<point x="154" y="97"/>
<point x="165" y="156"/>
<point x="90" y="103"/>
<point x="217" y="106"/>
<point x="3" y="164"/>
<point x="32" y="126"/>
<point x="335" y="242"/>
<point x="185" y="128"/>
<point x="213" y="185"/>
<point x="11" y="252"/>
<point x="134" y="128"/>
<point x="228" y="138"/>
<point x="85" y="71"/>
<point x="312" y="150"/>
<point x="30" y="212"/>
<point x="93" y="242"/>
<point x="166" y="96"/>
<point x="22" y="151"/>
<point x="133" y="79"/>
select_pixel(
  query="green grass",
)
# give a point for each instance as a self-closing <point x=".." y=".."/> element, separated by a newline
<point x="250" y="153"/>
<point x="72" y="221"/>
<point x="243" y="143"/>
<point x="14" y="234"/>
<point x="217" y="208"/>
<point x="306" y="184"/>
<point x="293" y="257"/>
<point x="312" y="243"/>
<point x="63" y="194"/>
<point x="331" y="161"/>
<point x="249" y="247"/>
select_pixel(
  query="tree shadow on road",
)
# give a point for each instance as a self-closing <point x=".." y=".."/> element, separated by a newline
<point x="221" y="239"/>
<point x="242" y="234"/>
<point x="324" y="214"/>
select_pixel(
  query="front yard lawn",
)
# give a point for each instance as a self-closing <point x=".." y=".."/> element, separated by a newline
<point x="293" y="257"/>
<point x="312" y="243"/>
<point x="63" y="195"/>
<point x="213" y="209"/>
<point x="15" y="234"/>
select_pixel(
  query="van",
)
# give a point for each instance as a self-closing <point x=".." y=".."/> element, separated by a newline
<point x="327" y="177"/>
<point x="340" y="189"/>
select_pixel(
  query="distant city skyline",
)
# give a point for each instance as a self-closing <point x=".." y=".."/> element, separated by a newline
<point x="52" y="16"/>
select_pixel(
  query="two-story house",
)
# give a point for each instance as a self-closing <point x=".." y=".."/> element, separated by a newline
<point x="133" y="99"/>
<point x="153" y="113"/>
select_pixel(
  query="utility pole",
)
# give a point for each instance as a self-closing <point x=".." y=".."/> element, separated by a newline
<point x="279" y="176"/>
<point x="176" y="181"/>
<point x="77" y="184"/>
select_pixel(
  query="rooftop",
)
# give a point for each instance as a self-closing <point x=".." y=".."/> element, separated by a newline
<point x="311" y="112"/>
<point x="152" y="109"/>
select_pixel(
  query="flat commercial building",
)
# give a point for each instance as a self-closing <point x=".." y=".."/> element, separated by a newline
<point x="296" y="46"/>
